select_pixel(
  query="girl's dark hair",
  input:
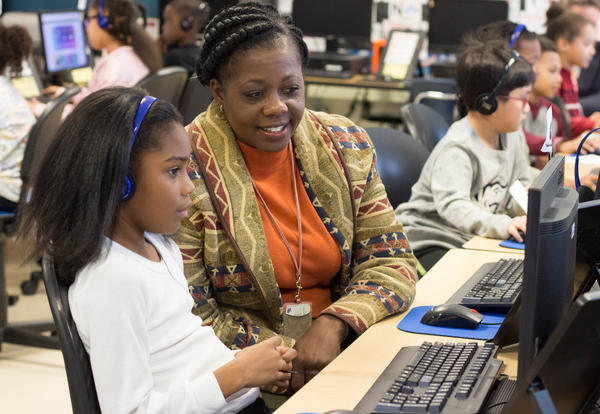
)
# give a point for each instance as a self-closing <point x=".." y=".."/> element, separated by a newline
<point x="239" y="28"/>
<point x="122" y="18"/>
<point x="15" y="46"/>
<point x="502" y="30"/>
<point x="547" y="45"/>
<point x="78" y="189"/>
<point x="482" y="65"/>
<point x="563" y="24"/>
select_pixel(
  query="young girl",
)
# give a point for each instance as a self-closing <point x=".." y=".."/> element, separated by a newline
<point x="463" y="188"/>
<point x="16" y="118"/>
<point x="101" y="207"/>
<point x="130" y="54"/>
<point x="574" y="36"/>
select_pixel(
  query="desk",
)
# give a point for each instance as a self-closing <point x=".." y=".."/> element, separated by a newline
<point x="586" y="165"/>
<point x="359" y="81"/>
<point x="489" y="245"/>
<point x="343" y="383"/>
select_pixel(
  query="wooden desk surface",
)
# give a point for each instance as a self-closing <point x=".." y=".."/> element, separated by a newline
<point x="489" y="245"/>
<point x="344" y="382"/>
<point x="359" y="80"/>
<point x="586" y="165"/>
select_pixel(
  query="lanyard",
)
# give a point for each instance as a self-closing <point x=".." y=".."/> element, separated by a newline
<point x="297" y="263"/>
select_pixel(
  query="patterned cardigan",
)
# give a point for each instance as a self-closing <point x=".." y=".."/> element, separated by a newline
<point x="239" y="297"/>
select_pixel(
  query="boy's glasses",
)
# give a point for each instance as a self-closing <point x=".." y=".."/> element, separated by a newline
<point x="524" y="101"/>
<point x="87" y="19"/>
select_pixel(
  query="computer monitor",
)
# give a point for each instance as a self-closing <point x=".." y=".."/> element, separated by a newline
<point x="341" y="22"/>
<point x="549" y="266"/>
<point x="449" y="20"/>
<point x="63" y="40"/>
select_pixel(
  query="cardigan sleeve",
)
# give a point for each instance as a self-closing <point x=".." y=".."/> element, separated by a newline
<point x="383" y="267"/>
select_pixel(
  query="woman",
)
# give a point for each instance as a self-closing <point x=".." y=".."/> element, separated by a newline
<point x="274" y="224"/>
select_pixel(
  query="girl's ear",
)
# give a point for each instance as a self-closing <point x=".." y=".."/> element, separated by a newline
<point x="217" y="90"/>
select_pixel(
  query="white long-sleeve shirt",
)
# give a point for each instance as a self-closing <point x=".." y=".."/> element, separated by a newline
<point x="149" y="353"/>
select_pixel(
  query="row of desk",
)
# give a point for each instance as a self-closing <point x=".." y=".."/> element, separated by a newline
<point x="343" y="383"/>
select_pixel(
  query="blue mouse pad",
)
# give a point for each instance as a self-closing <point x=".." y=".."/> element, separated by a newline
<point x="412" y="323"/>
<point x="512" y="245"/>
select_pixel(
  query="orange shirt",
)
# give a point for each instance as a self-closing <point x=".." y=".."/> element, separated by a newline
<point x="321" y="257"/>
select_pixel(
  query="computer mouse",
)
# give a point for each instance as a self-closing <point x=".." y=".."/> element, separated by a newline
<point x="512" y="238"/>
<point x="452" y="316"/>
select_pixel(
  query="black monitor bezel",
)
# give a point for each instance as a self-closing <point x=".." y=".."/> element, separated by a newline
<point x="43" y="41"/>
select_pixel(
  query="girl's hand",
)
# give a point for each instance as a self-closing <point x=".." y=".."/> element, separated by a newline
<point x="571" y="145"/>
<point x="518" y="223"/>
<point x="265" y="363"/>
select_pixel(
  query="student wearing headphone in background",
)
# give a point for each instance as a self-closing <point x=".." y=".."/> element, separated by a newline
<point x="130" y="54"/>
<point x="182" y="20"/>
<point x="463" y="189"/>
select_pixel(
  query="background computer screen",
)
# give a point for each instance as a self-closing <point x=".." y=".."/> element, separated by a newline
<point x="549" y="267"/>
<point x="346" y="19"/>
<point x="449" y="20"/>
<point x="63" y="41"/>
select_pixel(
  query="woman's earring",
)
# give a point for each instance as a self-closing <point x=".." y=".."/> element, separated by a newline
<point x="221" y="107"/>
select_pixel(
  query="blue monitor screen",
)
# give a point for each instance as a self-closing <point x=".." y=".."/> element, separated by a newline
<point x="63" y="40"/>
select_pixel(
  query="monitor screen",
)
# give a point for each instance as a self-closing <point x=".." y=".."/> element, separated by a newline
<point x="63" y="40"/>
<point x="449" y="20"/>
<point x="549" y="266"/>
<point x="347" y="19"/>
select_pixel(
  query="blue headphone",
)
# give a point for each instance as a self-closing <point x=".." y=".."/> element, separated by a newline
<point x="513" y="38"/>
<point x="145" y="104"/>
<point x="102" y="19"/>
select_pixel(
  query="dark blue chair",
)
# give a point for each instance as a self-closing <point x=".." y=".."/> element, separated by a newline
<point x="424" y="124"/>
<point x="437" y="93"/>
<point x="400" y="159"/>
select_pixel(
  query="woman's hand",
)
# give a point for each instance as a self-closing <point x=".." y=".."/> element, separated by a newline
<point x="518" y="223"/>
<point x="53" y="91"/>
<point x="319" y="345"/>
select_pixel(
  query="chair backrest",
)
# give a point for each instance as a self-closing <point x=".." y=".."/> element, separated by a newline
<point x="424" y="124"/>
<point x="400" y="159"/>
<point x="41" y="135"/>
<point x="565" y="115"/>
<point x="437" y="93"/>
<point x="166" y="84"/>
<point x="195" y="99"/>
<point x="82" y="389"/>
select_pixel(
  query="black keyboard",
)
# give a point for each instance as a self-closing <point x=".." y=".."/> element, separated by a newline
<point x="434" y="378"/>
<point x="493" y="288"/>
<point x="322" y="73"/>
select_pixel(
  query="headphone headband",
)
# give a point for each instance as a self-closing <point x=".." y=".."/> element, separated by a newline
<point x="102" y="19"/>
<point x="513" y="38"/>
<point x="515" y="56"/>
<point x="486" y="103"/>
<point x="145" y="104"/>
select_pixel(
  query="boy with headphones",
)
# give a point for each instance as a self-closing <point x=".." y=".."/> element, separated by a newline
<point x="463" y="189"/>
<point x="182" y="20"/>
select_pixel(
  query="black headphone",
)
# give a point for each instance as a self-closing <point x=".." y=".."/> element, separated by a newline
<point x="487" y="103"/>
<point x="187" y="23"/>
<point x="130" y="184"/>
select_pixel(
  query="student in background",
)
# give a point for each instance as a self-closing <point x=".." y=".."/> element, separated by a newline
<point x="16" y="118"/>
<point x="182" y="20"/>
<point x="107" y="228"/>
<point x="463" y="187"/>
<point x="574" y="36"/>
<point x="589" y="78"/>
<point x="130" y="56"/>
<point x="517" y="37"/>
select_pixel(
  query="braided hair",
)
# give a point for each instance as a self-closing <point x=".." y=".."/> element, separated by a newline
<point x="243" y="27"/>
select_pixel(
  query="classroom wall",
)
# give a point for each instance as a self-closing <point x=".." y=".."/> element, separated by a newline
<point x="34" y="5"/>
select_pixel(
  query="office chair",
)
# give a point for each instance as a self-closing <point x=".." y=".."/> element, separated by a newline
<point x="424" y="124"/>
<point x="437" y="93"/>
<point x="166" y="84"/>
<point x="40" y="136"/>
<point x="400" y="159"/>
<point x="82" y="389"/>
<point x="195" y="99"/>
